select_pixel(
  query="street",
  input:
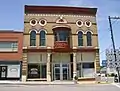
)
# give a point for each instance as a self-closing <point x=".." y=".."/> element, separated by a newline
<point x="80" y="87"/>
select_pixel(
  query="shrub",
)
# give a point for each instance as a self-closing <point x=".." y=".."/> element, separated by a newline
<point x="76" y="78"/>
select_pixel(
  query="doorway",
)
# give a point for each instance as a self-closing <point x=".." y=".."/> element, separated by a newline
<point x="61" y="71"/>
<point x="3" y="72"/>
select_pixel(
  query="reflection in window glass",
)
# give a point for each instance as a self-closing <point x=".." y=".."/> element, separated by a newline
<point x="37" y="70"/>
<point x="5" y="45"/>
<point x="8" y="46"/>
<point x="79" y="70"/>
<point x="33" y="71"/>
<point x="89" y="39"/>
<point x="61" y="35"/>
<point x="33" y="38"/>
<point x="42" y="38"/>
<point x="80" y="38"/>
<point x="43" y="70"/>
<point x="81" y="67"/>
<point x="88" y="65"/>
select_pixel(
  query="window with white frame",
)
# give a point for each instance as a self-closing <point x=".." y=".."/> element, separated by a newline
<point x="8" y="46"/>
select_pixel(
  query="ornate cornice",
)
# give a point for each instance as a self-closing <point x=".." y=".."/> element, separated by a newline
<point x="71" y="15"/>
<point x="59" y="9"/>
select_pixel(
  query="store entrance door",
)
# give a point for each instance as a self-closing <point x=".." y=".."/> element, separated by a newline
<point x="61" y="71"/>
<point x="3" y="72"/>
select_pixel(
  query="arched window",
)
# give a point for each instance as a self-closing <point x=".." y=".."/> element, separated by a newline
<point x="33" y="38"/>
<point x="42" y="38"/>
<point x="80" y="38"/>
<point x="89" y="39"/>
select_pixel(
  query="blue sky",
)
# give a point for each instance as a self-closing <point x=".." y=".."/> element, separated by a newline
<point x="12" y="16"/>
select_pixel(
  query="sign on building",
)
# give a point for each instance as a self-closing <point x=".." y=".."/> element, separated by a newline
<point x="104" y="63"/>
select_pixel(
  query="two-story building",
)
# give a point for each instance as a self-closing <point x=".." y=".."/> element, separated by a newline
<point x="11" y="43"/>
<point x="60" y="43"/>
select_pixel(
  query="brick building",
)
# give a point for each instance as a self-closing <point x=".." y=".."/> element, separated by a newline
<point x="59" y="43"/>
<point x="10" y="54"/>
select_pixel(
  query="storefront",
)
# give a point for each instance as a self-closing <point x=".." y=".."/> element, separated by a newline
<point x="85" y="65"/>
<point x="61" y="66"/>
<point x="36" y="66"/>
<point x="10" y="70"/>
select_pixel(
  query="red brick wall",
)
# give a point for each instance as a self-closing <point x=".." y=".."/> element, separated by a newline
<point x="12" y="36"/>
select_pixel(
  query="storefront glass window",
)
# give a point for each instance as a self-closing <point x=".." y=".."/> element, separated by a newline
<point x="33" y="71"/>
<point x="85" y="69"/>
<point x="43" y="71"/>
<point x="79" y="70"/>
<point x="36" y="71"/>
<point x="88" y="65"/>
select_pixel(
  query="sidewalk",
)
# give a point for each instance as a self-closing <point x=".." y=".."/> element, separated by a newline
<point x="49" y="83"/>
<point x="37" y="83"/>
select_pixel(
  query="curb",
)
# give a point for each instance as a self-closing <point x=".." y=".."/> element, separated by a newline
<point x="32" y="83"/>
<point x="50" y="83"/>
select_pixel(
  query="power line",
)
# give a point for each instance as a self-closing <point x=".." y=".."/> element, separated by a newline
<point x="105" y="49"/>
<point x="107" y="31"/>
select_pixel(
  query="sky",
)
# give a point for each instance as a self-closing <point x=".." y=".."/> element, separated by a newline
<point x="12" y="17"/>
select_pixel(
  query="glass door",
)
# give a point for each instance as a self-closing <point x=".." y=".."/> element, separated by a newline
<point x="57" y="72"/>
<point x="61" y="71"/>
<point x="3" y="72"/>
<point x="65" y="73"/>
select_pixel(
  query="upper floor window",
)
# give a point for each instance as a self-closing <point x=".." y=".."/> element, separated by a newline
<point x="79" y="23"/>
<point x="42" y="22"/>
<point x="80" y="38"/>
<point x="42" y="38"/>
<point x="33" y="22"/>
<point x="88" y="23"/>
<point x="33" y="38"/>
<point x="61" y="35"/>
<point x="8" y="46"/>
<point x="89" y="39"/>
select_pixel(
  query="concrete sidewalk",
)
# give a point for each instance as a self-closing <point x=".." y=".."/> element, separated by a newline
<point x="38" y="83"/>
<point x="49" y="83"/>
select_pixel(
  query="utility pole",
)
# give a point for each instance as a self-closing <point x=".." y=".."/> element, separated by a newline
<point x="113" y="43"/>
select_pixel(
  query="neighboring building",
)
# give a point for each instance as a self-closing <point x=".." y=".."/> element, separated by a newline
<point x="10" y="55"/>
<point x="60" y="43"/>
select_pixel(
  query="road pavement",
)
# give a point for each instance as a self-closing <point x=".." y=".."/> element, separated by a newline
<point x="78" y="87"/>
